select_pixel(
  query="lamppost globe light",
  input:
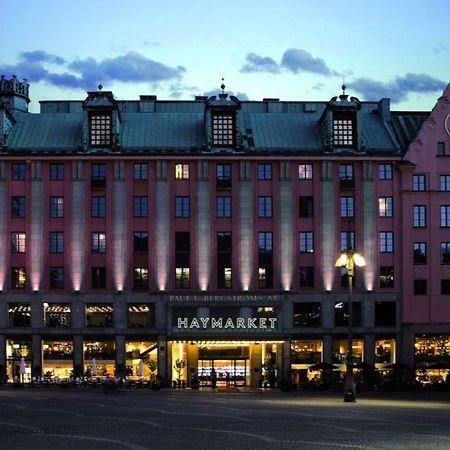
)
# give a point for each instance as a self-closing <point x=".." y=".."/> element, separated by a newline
<point x="359" y="260"/>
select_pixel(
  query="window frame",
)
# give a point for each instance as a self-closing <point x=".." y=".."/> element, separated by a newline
<point x="56" y="207"/>
<point x="265" y="206"/>
<point x="385" y="171"/>
<point x="306" y="241"/>
<point x="182" y="206"/>
<point x="264" y="171"/>
<point x="386" y="206"/>
<point x="305" y="171"/>
<point x="419" y="182"/>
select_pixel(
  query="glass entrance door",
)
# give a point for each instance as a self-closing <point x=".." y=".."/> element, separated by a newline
<point x="229" y="372"/>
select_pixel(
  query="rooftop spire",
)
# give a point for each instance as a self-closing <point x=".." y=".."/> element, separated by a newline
<point x="222" y="86"/>
<point x="343" y="96"/>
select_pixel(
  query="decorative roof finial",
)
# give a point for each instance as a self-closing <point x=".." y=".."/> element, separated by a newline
<point x="343" y="96"/>
<point x="344" y="87"/>
<point x="222" y="86"/>
<point x="100" y="87"/>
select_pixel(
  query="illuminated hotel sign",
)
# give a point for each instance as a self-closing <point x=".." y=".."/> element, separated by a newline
<point x="252" y="323"/>
<point x="224" y="298"/>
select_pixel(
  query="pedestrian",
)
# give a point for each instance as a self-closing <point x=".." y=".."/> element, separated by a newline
<point x="228" y="378"/>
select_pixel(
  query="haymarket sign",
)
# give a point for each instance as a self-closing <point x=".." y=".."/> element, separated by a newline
<point x="239" y="323"/>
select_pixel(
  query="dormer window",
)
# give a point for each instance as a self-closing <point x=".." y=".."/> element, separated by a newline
<point x="343" y="129"/>
<point x="223" y="129"/>
<point x="100" y="129"/>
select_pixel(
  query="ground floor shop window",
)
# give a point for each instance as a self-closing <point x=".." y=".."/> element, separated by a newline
<point x="340" y="351"/>
<point x="57" y="359"/>
<point x="385" y="351"/>
<point x="18" y="360"/>
<point x="141" y="359"/>
<point x="432" y="358"/>
<point x="99" y="357"/>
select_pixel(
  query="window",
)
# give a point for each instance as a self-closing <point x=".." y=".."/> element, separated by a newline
<point x="140" y="206"/>
<point x="346" y="178"/>
<point x="306" y="239"/>
<point x="17" y="242"/>
<point x="182" y="277"/>
<point x="385" y="171"/>
<point x="265" y="260"/>
<point x="385" y="206"/>
<point x="17" y="207"/>
<point x="223" y="129"/>
<point x="386" y="277"/>
<point x="223" y="207"/>
<point x="18" y="277"/>
<point x="100" y="129"/>
<point x="140" y="241"/>
<point x="305" y="171"/>
<point x="56" y="278"/>
<point x="140" y="278"/>
<point x="343" y="130"/>
<point x="56" y="171"/>
<point x="445" y="216"/>
<point x="98" y="176"/>
<point x="445" y="252"/>
<point x="307" y="314"/>
<point x="99" y="315"/>
<point x="181" y="171"/>
<point x="264" y="206"/>
<point x="182" y="259"/>
<point x="385" y="314"/>
<point x="419" y="216"/>
<point x="420" y="252"/>
<point x="386" y="241"/>
<point x="306" y="206"/>
<point x="347" y="207"/>
<point x="182" y="206"/>
<point x="56" y="241"/>
<point x="98" y="207"/>
<point x="347" y="240"/>
<point x="444" y="182"/>
<point x="418" y="182"/>
<point x="139" y="315"/>
<point x="19" y="314"/>
<point x="56" y="206"/>
<point x="98" y="242"/>
<point x="98" y="277"/>
<point x="420" y="287"/>
<point x="306" y="277"/>
<point x="445" y="287"/>
<point x="140" y="171"/>
<point x="223" y="176"/>
<point x="57" y="315"/>
<point x="441" y="148"/>
<point x="341" y="314"/>
<point x="224" y="259"/>
<point x="264" y="171"/>
<point x="18" y="171"/>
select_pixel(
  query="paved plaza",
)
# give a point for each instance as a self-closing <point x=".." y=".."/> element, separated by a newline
<point x="54" y="418"/>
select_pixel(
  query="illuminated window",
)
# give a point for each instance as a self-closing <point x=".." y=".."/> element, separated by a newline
<point x="98" y="242"/>
<point x="182" y="277"/>
<point x="139" y="315"/>
<point x="18" y="277"/>
<point x="56" y="171"/>
<point x="419" y="216"/>
<point x="19" y="315"/>
<point x="418" y="182"/>
<point x="343" y="130"/>
<point x="99" y="315"/>
<point x="100" y="129"/>
<point x="386" y="241"/>
<point x="140" y="278"/>
<point x="385" y="171"/>
<point x="18" y="171"/>
<point x="420" y="252"/>
<point x="264" y="171"/>
<point x="306" y="241"/>
<point x="56" y="278"/>
<point x="57" y="315"/>
<point x="56" y="207"/>
<point x="445" y="216"/>
<point x="305" y="171"/>
<point x="223" y="129"/>
<point x="17" y="242"/>
<point x="56" y="241"/>
<point x="385" y="206"/>
<point x="181" y="171"/>
<point x="140" y="171"/>
<point x="386" y="277"/>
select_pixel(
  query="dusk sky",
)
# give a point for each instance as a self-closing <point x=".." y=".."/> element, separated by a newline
<point x="175" y="49"/>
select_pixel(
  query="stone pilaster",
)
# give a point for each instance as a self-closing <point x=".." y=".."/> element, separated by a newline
<point x="162" y="225"/>
<point x="286" y="235"/>
<point x="369" y="238"/>
<point x="120" y="229"/>
<point x="77" y="223"/>
<point x="203" y="226"/>
<point x="36" y="217"/>
<point x="246" y="235"/>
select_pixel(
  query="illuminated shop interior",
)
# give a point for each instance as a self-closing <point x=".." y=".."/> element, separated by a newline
<point x="104" y="353"/>
<point x="57" y="358"/>
<point x="145" y="351"/>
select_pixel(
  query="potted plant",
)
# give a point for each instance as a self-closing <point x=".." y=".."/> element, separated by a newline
<point x="179" y="366"/>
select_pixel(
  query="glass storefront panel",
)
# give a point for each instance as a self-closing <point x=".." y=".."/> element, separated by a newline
<point x="104" y="354"/>
<point x="57" y="315"/>
<point x="385" y="351"/>
<point x="432" y="348"/>
<point x="145" y="351"/>
<point x="18" y="350"/>
<point x="57" y="359"/>
<point x="340" y="350"/>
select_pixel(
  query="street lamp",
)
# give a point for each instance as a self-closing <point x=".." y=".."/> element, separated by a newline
<point x="348" y="260"/>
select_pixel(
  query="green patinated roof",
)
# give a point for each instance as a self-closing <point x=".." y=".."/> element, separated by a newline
<point x="178" y="127"/>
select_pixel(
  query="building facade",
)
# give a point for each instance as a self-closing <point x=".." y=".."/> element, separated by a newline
<point x="207" y="232"/>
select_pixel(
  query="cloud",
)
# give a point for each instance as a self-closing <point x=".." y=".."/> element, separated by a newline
<point x="399" y="88"/>
<point x="293" y="60"/>
<point x="131" y="67"/>
<point x="256" y="63"/>
<point x="240" y="95"/>
<point x="41" y="56"/>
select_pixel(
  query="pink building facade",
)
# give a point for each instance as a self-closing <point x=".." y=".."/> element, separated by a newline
<point x="207" y="232"/>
